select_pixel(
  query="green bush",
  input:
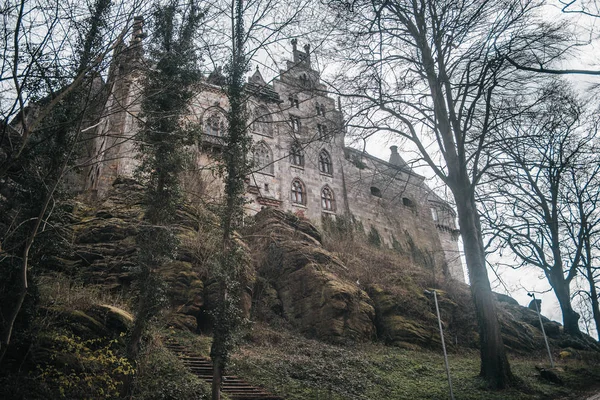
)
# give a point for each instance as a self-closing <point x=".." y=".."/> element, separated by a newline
<point x="161" y="376"/>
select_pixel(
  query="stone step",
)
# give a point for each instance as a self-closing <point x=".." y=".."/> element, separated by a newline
<point x="236" y="388"/>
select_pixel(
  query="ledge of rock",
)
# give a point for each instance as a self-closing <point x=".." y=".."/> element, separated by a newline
<point x="313" y="298"/>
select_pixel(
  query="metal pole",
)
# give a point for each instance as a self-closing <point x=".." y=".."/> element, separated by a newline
<point x="543" y="330"/>
<point x="437" y="309"/>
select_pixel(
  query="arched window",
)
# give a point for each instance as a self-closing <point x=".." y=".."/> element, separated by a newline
<point x="320" y="109"/>
<point x="296" y="154"/>
<point x="325" y="162"/>
<point x="407" y="202"/>
<point x="294" y="101"/>
<point x="263" y="158"/>
<point x="214" y="124"/>
<point x="295" y="124"/>
<point x="304" y="80"/>
<point x="327" y="199"/>
<point x="263" y="122"/>
<point x="298" y="192"/>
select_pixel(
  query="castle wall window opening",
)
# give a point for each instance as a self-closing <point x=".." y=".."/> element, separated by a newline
<point x="295" y="123"/>
<point x="375" y="191"/>
<point x="327" y="199"/>
<point x="321" y="132"/>
<point x="325" y="162"/>
<point x="263" y="158"/>
<point x="296" y="155"/>
<point x="298" y="192"/>
<point x="215" y="125"/>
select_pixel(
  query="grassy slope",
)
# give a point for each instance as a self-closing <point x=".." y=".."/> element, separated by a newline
<point x="302" y="369"/>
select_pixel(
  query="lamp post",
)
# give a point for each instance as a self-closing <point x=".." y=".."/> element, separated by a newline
<point x="543" y="330"/>
<point x="437" y="309"/>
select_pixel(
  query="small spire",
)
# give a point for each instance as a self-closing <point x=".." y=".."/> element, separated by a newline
<point x="257" y="77"/>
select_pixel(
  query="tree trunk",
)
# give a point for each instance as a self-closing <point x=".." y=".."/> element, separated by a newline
<point x="563" y="294"/>
<point x="217" y="378"/>
<point x="494" y="364"/>
<point x="593" y="298"/>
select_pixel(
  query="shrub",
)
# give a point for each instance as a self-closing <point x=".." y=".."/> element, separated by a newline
<point x="81" y="369"/>
<point x="161" y="376"/>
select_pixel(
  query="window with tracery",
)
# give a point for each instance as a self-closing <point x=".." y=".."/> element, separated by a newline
<point x="325" y="162"/>
<point x="263" y="158"/>
<point x="215" y="125"/>
<point x="321" y="132"/>
<point x="298" y="192"/>
<point x="327" y="199"/>
<point x="296" y="155"/>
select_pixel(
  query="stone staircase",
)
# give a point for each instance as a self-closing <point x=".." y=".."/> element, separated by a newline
<point x="232" y="386"/>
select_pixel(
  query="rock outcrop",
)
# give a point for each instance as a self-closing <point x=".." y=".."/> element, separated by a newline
<point x="314" y="299"/>
<point x="105" y="253"/>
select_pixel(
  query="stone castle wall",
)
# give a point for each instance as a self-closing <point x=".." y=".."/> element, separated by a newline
<point x="293" y="123"/>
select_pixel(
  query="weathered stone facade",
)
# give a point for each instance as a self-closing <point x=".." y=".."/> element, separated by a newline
<point x="301" y="162"/>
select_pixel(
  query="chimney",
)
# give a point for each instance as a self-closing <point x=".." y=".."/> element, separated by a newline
<point x="395" y="157"/>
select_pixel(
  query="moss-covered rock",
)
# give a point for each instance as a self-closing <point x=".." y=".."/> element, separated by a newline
<point x="314" y="299"/>
<point x="395" y="326"/>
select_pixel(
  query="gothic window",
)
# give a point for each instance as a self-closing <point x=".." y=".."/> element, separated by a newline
<point x="295" y="123"/>
<point x="263" y="158"/>
<point x="408" y="202"/>
<point x="298" y="192"/>
<point x="263" y="122"/>
<point x="294" y="101"/>
<point x="304" y="80"/>
<point x="214" y="125"/>
<point x="320" y="109"/>
<point x="296" y="154"/>
<point x="375" y="191"/>
<point x="327" y="199"/>
<point x="321" y="132"/>
<point x="325" y="162"/>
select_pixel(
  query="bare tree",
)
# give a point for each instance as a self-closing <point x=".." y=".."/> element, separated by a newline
<point x="435" y="73"/>
<point x="248" y="36"/>
<point x="534" y="203"/>
<point x="48" y="77"/>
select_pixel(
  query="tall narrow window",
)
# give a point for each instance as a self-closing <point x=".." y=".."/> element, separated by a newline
<point x="296" y="155"/>
<point x="294" y="101"/>
<point x="214" y="125"/>
<point x="320" y="109"/>
<point x="298" y="192"/>
<point x="295" y="122"/>
<point x="327" y="199"/>
<point x="304" y="80"/>
<point x="325" y="162"/>
<point x="263" y="158"/>
<point x="321" y="132"/>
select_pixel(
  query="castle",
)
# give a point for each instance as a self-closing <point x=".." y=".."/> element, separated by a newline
<point x="301" y="162"/>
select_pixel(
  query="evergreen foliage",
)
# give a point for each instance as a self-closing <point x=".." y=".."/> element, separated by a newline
<point x="173" y="70"/>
